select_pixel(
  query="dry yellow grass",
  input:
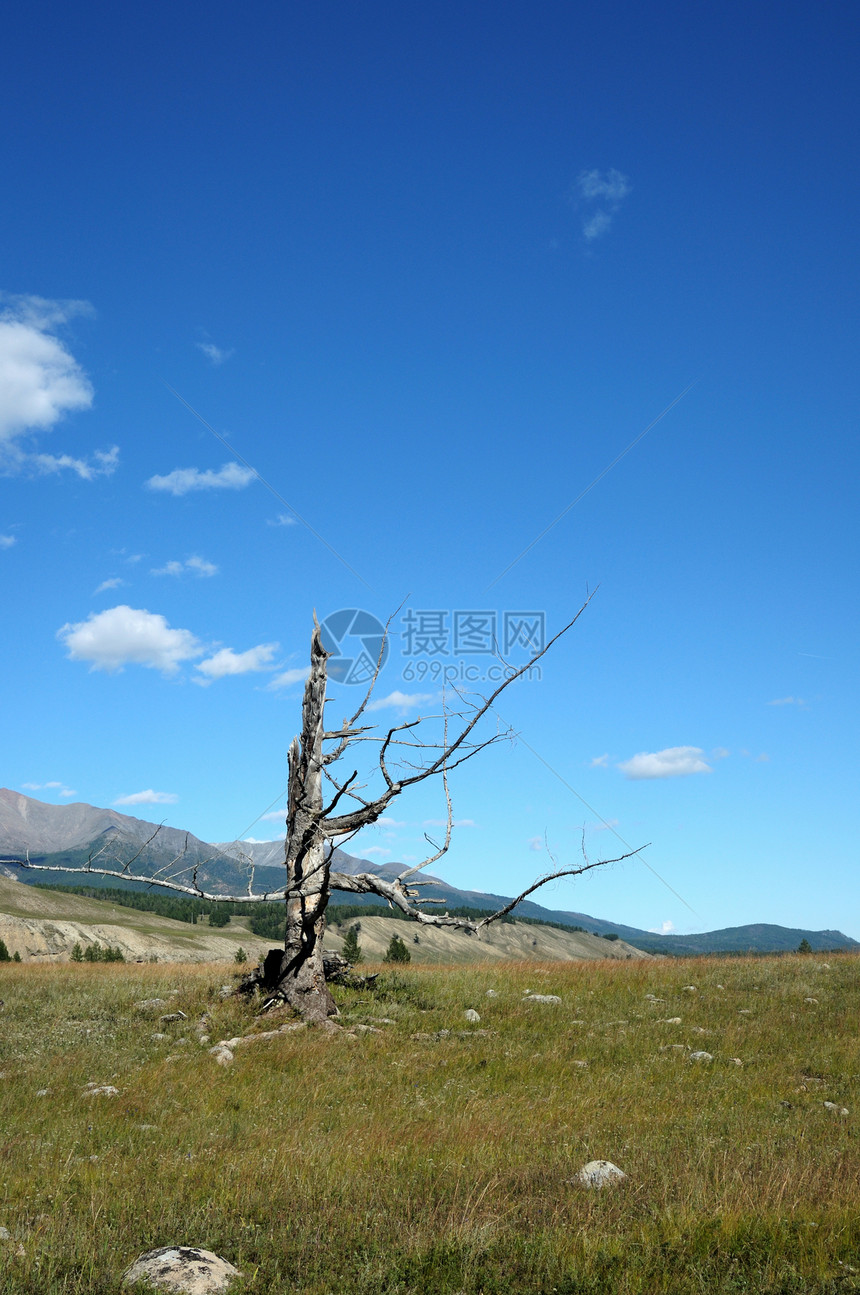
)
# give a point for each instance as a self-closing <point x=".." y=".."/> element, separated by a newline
<point x="446" y="1163"/>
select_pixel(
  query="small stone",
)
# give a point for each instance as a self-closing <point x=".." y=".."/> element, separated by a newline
<point x="543" y="998"/>
<point x="491" y="993"/>
<point x="583" y="1065"/>
<point x="5" y="1234"/>
<point x="173" y="1016"/>
<point x="203" y="1039"/>
<point x="704" y="1057"/>
<point x="471" y="1015"/>
<point x="674" y="1047"/>
<point x="148" y="1128"/>
<point x="735" y="1061"/>
<point x="689" y="989"/>
<point x="184" y="1269"/>
<point x="650" y="998"/>
<point x="42" y="1092"/>
<point x="158" y="1038"/>
<point x="366" y="1029"/>
<point x="720" y="986"/>
<point x="810" y="1000"/>
<point x="745" y="1011"/>
<point x="670" y="1020"/>
<point x="101" y="1090"/>
<point x="833" y="1106"/>
<point x="150" y="1004"/>
<point x="598" y="1173"/>
<point x="225" y="991"/>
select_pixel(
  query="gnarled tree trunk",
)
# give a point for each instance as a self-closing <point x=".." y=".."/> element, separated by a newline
<point x="301" y="978"/>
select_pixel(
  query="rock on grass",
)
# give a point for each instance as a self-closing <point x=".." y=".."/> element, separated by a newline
<point x="183" y="1269"/>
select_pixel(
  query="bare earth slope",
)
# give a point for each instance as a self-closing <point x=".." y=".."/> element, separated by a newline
<point x="45" y="925"/>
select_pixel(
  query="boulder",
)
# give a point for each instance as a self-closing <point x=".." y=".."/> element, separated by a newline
<point x="542" y="998"/>
<point x="600" y="1173"/>
<point x="184" y="1269"/>
<point x="471" y="1015"/>
<point x="702" y="1057"/>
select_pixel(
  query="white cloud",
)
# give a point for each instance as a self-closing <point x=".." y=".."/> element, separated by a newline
<point x="59" y="787"/>
<point x="402" y="701"/>
<point x="600" y="762"/>
<point x="231" y="476"/>
<point x="148" y="797"/>
<point x="124" y="636"/>
<point x="673" y="762"/>
<point x="601" y="193"/>
<point x="375" y="849"/>
<point x="606" y="826"/>
<point x="536" y="843"/>
<point x="275" y="816"/>
<point x="102" y="463"/>
<point x="197" y="566"/>
<point x="290" y="677"/>
<point x="385" y="821"/>
<point x="282" y="519"/>
<point x="720" y="753"/>
<point x="609" y="185"/>
<point x="788" y="701"/>
<point x="665" y="928"/>
<point x="113" y="583"/>
<point x="6" y="541"/>
<point x="40" y="380"/>
<point x="227" y="662"/>
<point x="214" y="354"/>
<point x="764" y="758"/>
<point x="596" y="225"/>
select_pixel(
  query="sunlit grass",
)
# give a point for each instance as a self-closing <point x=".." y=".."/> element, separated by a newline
<point x="385" y="1163"/>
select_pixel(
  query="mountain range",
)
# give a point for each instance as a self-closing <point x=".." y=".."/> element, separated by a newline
<point x="65" y="836"/>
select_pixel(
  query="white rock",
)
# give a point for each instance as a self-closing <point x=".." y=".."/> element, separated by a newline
<point x="150" y="1004"/>
<point x="42" y="1092"/>
<point x="720" y="986"/>
<point x="543" y="998"/>
<point x="597" y="1173"/>
<point x="735" y="1061"/>
<point x="700" y="1056"/>
<point x="158" y="1038"/>
<point x="491" y="993"/>
<point x="182" y="1269"/>
<point x="583" y="1065"/>
<point x="222" y="1055"/>
<point x="810" y="1000"/>
<point x="745" y="1011"/>
<point x="689" y="989"/>
<point x="5" y="1234"/>
<point x="101" y="1090"/>
<point x="670" y="1020"/>
<point x="471" y="1015"/>
<point x="225" y="991"/>
<point x="833" y="1106"/>
<point x="674" y="1047"/>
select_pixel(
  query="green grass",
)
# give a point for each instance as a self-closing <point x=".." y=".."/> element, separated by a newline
<point x="387" y="1164"/>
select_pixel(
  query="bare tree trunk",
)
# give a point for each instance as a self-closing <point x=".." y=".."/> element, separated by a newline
<point x="301" y="980"/>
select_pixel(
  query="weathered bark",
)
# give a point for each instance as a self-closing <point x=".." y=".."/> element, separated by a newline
<point x="302" y="977"/>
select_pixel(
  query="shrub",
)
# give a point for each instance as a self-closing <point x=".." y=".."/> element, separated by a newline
<point x="351" y="947"/>
<point x="4" y="952"/>
<point x="804" y="946"/>
<point x="77" y="954"/>
<point x="240" y="956"/>
<point x="397" y="951"/>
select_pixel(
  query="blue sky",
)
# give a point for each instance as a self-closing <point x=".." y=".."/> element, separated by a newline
<point x="430" y="270"/>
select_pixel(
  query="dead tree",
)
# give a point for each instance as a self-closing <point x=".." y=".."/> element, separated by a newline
<point x="325" y="810"/>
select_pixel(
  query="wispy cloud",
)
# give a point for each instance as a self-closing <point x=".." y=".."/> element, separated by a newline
<point x="59" y="787"/>
<point x="123" y="635"/>
<point x="401" y="701"/>
<point x="113" y="582"/>
<point x="536" y="843"/>
<point x="101" y="463"/>
<point x="600" y="762"/>
<point x="720" y="753"/>
<point x="282" y="519"/>
<point x="375" y="849"/>
<point x="6" y="541"/>
<point x="790" y="701"/>
<point x="274" y="816"/>
<point x="289" y="677"/>
<point x="673" y="762"/>
<point x="214" y="354"/>
<point x="227" y="662"/>
<point x="194" y="566"/>
<point x="599" y="194"/>
<point x="607" y="825"/>
<point x="182" y="481"/>
<point x="148" y="797"/>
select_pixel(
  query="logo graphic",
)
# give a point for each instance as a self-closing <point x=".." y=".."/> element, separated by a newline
<point x="354" y="638"/>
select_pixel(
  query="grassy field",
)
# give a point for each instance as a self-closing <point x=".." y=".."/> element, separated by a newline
<point x="354" y="1163"/>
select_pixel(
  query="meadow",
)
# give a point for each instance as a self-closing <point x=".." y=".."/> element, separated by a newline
<point x="426" y="1154"/>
